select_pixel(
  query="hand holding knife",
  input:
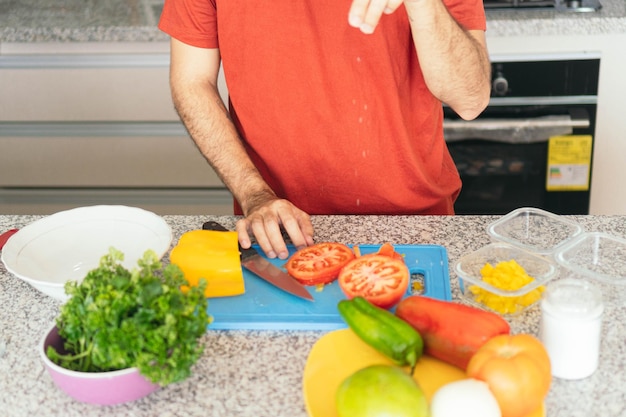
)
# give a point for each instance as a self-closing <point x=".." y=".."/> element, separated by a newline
<point x="258" y="265"/>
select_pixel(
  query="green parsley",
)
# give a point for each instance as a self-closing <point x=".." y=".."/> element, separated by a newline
<point x="118" y="319"/>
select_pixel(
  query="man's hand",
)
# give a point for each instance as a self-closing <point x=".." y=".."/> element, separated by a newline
<point x="365" y="14"/>
<point x="449" y="55"/>
<point x="264" y="222"/>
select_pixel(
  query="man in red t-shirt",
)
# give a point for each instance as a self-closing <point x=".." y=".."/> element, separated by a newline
<point x="335" y="105"/>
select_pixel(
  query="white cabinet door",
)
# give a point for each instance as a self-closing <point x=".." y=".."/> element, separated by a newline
<point x="103" y="155"/>
<point x="85" y="87"/>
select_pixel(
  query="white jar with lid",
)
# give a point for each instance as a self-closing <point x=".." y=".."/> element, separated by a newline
<point x="571" y="325"/>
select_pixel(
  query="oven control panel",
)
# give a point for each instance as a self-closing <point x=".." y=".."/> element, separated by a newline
<point x="578" y="77"/>
<point x="558" y="5"/>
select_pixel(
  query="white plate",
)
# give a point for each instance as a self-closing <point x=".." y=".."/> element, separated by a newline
<point x="66" y="245"/>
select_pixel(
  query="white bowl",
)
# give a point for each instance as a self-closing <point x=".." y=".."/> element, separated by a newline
<point x="66" y="245"/>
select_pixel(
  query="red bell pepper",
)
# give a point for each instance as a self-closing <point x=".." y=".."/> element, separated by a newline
<point x="452" y="332"/>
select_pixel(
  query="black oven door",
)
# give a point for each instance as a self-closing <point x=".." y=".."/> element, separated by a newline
<point x="504" y="163"/>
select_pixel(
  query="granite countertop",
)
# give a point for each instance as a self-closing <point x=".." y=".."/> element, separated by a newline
<point x="136" y="20"/>
<point x="258" y="373"/>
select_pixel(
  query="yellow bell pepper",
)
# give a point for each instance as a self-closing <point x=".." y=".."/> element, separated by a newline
<point x="211" y="255"/>
<point x="510" y="276"/>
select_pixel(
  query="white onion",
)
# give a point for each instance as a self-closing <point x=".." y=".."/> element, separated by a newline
<point x="465" y="398"/>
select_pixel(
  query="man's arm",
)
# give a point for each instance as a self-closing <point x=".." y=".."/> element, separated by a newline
<point x="455" y="62"/>
<point x="193" y="81"/>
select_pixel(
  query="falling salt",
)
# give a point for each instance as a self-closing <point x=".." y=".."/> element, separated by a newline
<point x="570" y="329"/>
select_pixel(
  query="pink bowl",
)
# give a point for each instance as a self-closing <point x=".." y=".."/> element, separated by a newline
<point x="103" y="388"/>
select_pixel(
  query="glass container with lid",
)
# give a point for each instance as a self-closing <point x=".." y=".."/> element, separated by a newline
<point x="571" y="324"/>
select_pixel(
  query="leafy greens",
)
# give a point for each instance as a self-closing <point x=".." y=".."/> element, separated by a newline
<point x="118" y="319"/>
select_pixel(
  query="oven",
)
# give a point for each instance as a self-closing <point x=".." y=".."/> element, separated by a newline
<point x="533" y="144"/>
<point x="556" y="5"/>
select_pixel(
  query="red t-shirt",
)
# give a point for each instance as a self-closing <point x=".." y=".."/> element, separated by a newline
<point x="337" y="121"/>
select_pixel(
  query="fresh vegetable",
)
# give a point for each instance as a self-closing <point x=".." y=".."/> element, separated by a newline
<point x="214" y="256"/>
<point x="452" y="332"/>
<point x="381" y="329"/>
<point x="387" y="249"/>
<point x="517" y="370"/>
<point x="383" y="280"/>
<point x="118" y="319"/>
<point x="319" y="263"/>
<point x="467" y="398"/>
<point x="381" y="391"/>
<point x="510" y="276"/>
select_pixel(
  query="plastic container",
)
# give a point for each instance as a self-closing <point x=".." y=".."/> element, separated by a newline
<point x="596" y="255"/>
<point x="535" y="230"/>
<point x="506" y="302"/>
<point x="571" y="327"/>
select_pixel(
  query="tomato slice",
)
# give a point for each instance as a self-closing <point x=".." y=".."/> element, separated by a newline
<point x="319" y="263"/>
<point x="380" y="279"/>
<point x="387" y="249"/>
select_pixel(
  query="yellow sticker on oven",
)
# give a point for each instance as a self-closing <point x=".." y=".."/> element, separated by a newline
<point x="569" y="163"/>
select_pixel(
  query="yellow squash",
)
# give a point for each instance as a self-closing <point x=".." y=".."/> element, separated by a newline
<point x="211" y="255"/>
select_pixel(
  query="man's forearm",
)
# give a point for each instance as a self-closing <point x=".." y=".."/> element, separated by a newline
<point x="208" y="123"/>
<point x="455" y="64"/>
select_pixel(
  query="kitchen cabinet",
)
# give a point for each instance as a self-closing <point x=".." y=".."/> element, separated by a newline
<point x="64" y="87"/>
<point x="94" y="124"/>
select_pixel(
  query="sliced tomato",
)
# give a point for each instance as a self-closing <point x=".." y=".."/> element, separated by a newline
<point x="380" y="279"/>
<point x="319" y="263"/>
<point x="387" y="249"/>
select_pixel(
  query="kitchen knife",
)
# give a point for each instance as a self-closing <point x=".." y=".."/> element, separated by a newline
<point x="258" y="265"/>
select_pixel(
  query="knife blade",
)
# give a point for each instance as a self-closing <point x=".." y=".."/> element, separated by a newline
<point x="258" y="265"/>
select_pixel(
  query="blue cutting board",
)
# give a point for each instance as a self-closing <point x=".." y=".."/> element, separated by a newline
<point x="265" y="307"/>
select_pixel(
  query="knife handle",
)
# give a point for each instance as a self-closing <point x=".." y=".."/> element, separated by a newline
<point x="4" y="237"/>
<point x="245" y="253"/>
<point x="211" y="225"/>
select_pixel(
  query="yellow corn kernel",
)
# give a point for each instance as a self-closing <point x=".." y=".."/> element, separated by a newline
<point x="509" y="276"/>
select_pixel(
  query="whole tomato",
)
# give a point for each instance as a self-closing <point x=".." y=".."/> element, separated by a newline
<point x="517" y="370"/>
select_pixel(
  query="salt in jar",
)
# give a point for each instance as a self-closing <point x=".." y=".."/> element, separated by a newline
<point x="571" y="325"/>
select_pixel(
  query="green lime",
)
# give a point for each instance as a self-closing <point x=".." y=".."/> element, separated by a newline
<point x="381" y="391"/>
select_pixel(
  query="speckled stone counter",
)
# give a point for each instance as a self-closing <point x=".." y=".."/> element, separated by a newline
<point x="80" y="21"/>
<point x="258" y="373"/>
<point x="609" y="20"/>
<point x="135" y="21"/>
